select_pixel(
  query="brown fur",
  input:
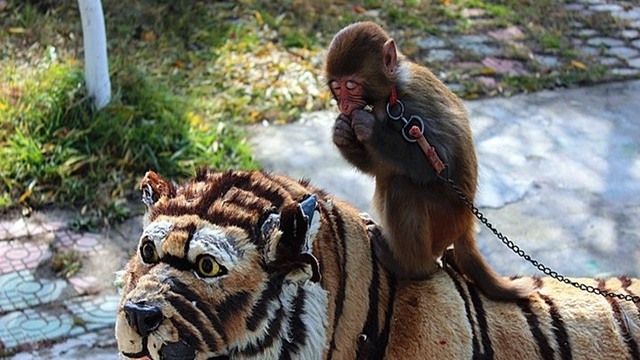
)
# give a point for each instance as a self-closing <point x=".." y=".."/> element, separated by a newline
<point x="420" y="214"/>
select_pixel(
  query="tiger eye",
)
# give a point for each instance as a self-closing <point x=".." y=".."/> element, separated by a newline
<point x="148" y="253"/>
<point x="207" y="266"/>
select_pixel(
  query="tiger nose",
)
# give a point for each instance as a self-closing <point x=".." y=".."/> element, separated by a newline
<point x="142" y="317"/>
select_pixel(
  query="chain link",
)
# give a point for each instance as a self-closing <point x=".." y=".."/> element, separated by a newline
<point x="538" y="265"/>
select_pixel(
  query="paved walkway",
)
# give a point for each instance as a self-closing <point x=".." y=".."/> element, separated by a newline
<point x="49" y="316"/>
<point x="599" y="34"/>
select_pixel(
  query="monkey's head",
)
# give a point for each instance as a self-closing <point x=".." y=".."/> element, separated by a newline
<point x="361" y="66"/>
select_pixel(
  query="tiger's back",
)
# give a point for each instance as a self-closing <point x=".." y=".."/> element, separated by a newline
<point x="250" y="265"/>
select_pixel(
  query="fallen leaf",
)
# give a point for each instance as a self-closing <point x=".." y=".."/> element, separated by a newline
<point x="358" y="9"/>
<point x="508" y="34"/>
<point x="578" y="64"/>
<point x="259" y="18"/>
<point x="148" y="36"/>
<point x="472" y="13"/>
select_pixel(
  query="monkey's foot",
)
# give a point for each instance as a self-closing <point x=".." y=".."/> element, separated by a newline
<point x="448" y="260"/>
<point x="382" y="250"/>
<point x="386" y="259"/>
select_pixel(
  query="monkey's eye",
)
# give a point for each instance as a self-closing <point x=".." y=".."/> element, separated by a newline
<point x="148" y="252"/>
<point x="206" y="266"/>
<point x="335" y="85"/>
<point x="351" y="85"/>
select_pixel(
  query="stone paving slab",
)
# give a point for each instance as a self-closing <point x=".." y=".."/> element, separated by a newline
<point x="39" y="308"/>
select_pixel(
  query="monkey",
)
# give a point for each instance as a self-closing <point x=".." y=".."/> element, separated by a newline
<point x="421" y="215"/>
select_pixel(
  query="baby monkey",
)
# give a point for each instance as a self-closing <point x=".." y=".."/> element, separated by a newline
<point x="421" y="215"/>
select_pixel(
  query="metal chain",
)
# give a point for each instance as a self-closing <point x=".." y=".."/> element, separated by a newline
<point x="516" y="249"/>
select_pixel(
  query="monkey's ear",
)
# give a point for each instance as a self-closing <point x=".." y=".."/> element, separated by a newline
<point x="390" y="56"/>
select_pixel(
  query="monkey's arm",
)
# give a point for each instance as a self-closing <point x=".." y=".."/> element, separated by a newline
<point x="346" y="137"/>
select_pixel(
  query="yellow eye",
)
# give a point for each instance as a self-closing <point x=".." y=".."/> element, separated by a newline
<point x="148" y="253"/>
<point x="206" y="266"/>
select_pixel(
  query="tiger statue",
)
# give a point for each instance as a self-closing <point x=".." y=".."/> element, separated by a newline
<point x="255" y="265"/>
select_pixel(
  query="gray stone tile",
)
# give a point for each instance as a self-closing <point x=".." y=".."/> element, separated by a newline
<point x="606" y="7"/>
<point x="440" y="55"/>
<point x="634" y="63"/>
<point x="431" y="42"/>
<point x="625" y="71"/>
<point x="31" y="326"/>
<point x="605" y="41"/>
<point x="630" y="34"/>
<point x="609" y="61"/>
<point x="623" y="52"/>
<point x="22" y="289"/>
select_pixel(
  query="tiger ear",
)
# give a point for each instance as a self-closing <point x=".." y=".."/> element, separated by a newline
<point x="154" y="187"/>
<point x="297" y="225"/>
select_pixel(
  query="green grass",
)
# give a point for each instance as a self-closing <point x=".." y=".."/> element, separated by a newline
<point x="56" y="149"/>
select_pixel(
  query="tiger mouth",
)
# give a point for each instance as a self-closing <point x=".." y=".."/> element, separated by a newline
<point x="169" y="351"/>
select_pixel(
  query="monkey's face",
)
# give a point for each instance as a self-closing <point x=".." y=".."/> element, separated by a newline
<point x="349" y="93"/>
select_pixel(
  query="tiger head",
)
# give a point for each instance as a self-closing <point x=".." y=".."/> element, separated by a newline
<point x="223" y="269"/>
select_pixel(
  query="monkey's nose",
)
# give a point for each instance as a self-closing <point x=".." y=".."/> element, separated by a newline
<point x="142" y="317"/>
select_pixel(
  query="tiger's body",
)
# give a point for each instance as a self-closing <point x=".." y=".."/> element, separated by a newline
<point x="235" y="265"/>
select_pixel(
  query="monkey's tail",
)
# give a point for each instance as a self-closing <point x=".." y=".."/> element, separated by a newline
<point x="470" y="262"/>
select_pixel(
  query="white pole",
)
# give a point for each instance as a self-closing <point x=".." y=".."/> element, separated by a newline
<point x="96" y="66"/>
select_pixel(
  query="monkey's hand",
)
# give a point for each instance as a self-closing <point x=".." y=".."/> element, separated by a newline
<point x="362" y="123"/>
<point x="343" y="134"/>
<point x="346" y="138"/>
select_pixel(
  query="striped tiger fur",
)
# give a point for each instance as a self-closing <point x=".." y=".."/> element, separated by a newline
<point x="252" y="265"/>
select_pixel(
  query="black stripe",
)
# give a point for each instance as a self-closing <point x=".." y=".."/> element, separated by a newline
<point x="467" y="308"/>
<point x="481" y="317"/>
<point x="180" y="288"/>
<point x="267" y="188"/>
<point x="232" y="304"/>
<point x="383" y="339"/>
<point x="626" y="282"/>
<point x="179" y="263"/>
<point x="259" y="311"/>
<point x="341" y="251"/>
<point x="274" y="327"/>
<point x="534" y="326"/>
<point x="367" y="348"/>
<point x="144" y="352"/>
<point x="632" y="345"/>
<point x="239" y="218"/>
<point x="190" y="314"/>
<point x="559" y="330"/>
<point x="297" y="329"/>
<point x="190" y="229"/>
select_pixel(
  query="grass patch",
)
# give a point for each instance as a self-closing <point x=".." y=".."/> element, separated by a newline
<point x="567" y="77"/>
<point x="56" y="149"/>
<point x="66" y="263"/>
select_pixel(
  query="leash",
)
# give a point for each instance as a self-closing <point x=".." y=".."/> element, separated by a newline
<point x="413" y="131"/>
